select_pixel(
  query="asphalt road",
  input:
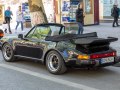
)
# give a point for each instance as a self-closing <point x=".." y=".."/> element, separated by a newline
<point x="31" y="75"/>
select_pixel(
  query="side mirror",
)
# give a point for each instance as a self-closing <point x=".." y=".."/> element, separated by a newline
<point x="1" y="33"/>
<point x="20" y="36"/>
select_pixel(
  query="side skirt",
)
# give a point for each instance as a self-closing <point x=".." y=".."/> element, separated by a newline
<point x="29" y="58"/>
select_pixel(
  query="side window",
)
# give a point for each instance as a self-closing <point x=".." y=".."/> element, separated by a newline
<point x="57" y="30"/>
<point x="39" y="33"/>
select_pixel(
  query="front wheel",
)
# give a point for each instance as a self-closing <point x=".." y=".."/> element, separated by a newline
<point x="55" y="63"/>
<point x="7" y="52"/>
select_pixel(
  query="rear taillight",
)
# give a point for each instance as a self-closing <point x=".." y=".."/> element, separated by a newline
<point x="95" y="56"/>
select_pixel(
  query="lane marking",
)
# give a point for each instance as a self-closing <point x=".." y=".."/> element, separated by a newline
<point x="50" y="78"/>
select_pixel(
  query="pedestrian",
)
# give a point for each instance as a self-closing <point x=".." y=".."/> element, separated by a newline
<point x="8" y="14"/>
<point x="80" y="18"/>
<point x="115" y="15"/>
<point x="119" y="11"/>
<point x="19" y="18"/>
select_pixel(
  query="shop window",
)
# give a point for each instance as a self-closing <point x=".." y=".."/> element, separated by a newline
<point x="88" y="7"/>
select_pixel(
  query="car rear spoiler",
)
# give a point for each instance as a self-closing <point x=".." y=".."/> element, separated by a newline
<point x="92" y="41"/>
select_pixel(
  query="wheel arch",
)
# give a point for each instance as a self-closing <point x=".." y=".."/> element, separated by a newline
<point x="44" y="58"/>
<point x="11" y="58"/>
<point x="6" y="43"/>
<point x="9" y="44"/>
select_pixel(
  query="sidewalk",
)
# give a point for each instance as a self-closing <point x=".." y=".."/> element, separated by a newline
<point x="108" y="20"/>
<point x="105" y="30"/>
<point x="19" y="31"/>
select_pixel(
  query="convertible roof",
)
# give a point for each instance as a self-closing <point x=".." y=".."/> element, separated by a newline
<point x="66" y="37"/>
<point x="44" y="24"/>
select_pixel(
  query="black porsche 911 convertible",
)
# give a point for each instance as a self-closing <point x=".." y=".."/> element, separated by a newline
<point x="57" y="49"/>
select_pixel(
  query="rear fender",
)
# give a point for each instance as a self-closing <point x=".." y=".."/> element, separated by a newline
<point x="44" y="57"/>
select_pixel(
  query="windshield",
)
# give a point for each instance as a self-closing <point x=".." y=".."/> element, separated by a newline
<point x="46" y="30"/>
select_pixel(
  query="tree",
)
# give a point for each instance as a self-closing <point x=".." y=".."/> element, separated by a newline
<point x="37" y="12"/>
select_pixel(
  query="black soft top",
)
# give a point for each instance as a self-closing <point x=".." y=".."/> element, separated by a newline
<point x="51" y="24"/>
<point x="66" y="37"/>
<point x="89" y="38"/>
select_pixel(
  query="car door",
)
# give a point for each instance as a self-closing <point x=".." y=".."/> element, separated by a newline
<point x="33" y="43"/>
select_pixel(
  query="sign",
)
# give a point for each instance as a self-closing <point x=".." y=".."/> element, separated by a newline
<point x="73" y="8"/>
<point x="107" y="60"/>
<point x="26" y="12"/>
<point x="65" y="10"/>
<point x="69" y="8"/>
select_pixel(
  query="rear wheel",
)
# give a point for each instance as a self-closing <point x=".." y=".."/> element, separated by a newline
<point x="7" y="52"/>
<point x="55" y="63"/>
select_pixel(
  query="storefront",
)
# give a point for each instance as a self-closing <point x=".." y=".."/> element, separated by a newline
<point x="60" y="11"/>
<point x="105" y="8"/>
<point x="65" y="11"/>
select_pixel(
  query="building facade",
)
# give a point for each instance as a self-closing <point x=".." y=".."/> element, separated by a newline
<point x="59" y="11"/>
<point x="65" y="11"/>
<point x="105" y="8"/>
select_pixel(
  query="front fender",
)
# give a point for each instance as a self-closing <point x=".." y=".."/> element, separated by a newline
<point x="5" y="40"/>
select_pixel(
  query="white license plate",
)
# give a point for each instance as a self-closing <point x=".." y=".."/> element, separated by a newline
<point x="107" y="60"/>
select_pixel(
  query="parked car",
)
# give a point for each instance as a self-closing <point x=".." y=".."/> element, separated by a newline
<point x="57" y="49"/>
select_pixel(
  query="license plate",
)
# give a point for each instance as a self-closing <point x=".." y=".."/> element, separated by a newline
<point x="107" y="60"/>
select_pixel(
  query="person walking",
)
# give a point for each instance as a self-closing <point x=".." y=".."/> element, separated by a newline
<point x="115" y="15"/>
<point x="119" y="11"/>
<point x="80" y="18"/>
<point x="19" y="18"/>
<point x="8" y="14"/>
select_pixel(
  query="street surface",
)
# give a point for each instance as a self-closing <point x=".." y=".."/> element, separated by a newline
<point x="32" y="75"/>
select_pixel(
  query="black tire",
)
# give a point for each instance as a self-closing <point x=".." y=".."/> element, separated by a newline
<point x="7" y="52"/>
<point x="55" y="63"/>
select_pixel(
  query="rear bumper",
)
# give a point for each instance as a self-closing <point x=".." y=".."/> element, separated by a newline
<point x="91" y="63"/>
